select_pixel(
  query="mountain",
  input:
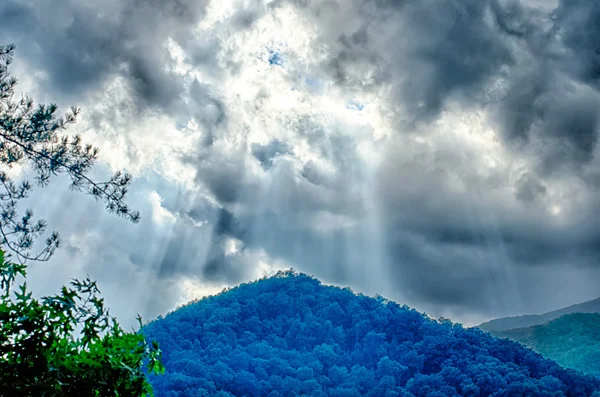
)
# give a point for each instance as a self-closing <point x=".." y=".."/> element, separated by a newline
<point x="289" y="335"/>
<point x="506" y="323"/>
<point x="572" y="340"/>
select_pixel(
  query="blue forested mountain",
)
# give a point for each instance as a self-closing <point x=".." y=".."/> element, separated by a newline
<point x="291" y="336"/>
<point x="530" y="320"/>
<point x="572" y="340"/>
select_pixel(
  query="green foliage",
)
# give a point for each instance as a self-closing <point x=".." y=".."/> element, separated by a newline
<point x="67" y="344"/>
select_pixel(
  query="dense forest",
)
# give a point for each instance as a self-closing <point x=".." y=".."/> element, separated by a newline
<point x="572" y="340"/>
<point x="289" y="335"/>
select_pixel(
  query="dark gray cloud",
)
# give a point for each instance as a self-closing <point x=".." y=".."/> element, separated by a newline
<point x="528" y="188"/>
<point x="79" y="47"/>
<point x="265" y="154"/>
<point x="206" y="110"/>
<point x="458" y="245"/>
<point x="577" y="25"/>
<point x="428" y="52"/>
<point x="454" y="50"/>
<point x="535" y="73"/>
<point x="519" y="62"/>
<point x="428" y="222"/>
<point x="217" y="171"/>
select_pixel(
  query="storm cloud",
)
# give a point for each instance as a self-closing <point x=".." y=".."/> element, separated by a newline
<point x="440" y="153"/>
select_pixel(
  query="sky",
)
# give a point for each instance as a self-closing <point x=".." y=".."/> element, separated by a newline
<point x="440" y="153"/>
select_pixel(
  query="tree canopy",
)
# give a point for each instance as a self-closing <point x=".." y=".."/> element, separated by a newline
<point x="68" y="344"/>
<point x="572" y="340"/>
<point x="289" y="335"/>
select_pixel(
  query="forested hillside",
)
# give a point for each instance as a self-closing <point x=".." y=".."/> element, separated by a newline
<point x="573" y="340"/>
<point x="291" y="336"/>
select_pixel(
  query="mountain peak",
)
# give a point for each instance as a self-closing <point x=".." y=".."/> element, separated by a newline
<point x="290" y="335"/>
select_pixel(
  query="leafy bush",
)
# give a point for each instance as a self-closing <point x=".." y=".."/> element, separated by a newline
<point x="67" y="344"/>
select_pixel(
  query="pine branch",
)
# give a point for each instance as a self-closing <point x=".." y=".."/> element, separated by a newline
<point x="31" y="135"/>
<point x="97" y="188"/>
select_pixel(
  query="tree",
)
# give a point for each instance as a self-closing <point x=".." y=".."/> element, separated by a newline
<point x="67" y="344"/>
<point x="31" y="135"/>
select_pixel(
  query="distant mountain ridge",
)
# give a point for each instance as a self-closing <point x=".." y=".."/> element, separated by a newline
<point x="530" y="320"/>
<point x="572" y="340"/>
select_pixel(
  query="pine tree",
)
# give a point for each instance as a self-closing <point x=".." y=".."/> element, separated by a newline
<point x="30" y="135"/>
